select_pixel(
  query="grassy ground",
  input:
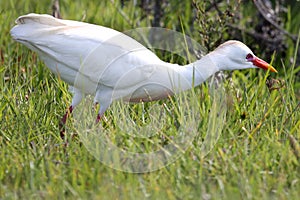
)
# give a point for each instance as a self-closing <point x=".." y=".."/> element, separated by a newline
<point x="257" y="155"/>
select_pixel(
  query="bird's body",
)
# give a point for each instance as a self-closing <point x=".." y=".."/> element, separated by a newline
<point x="101" y="61"/>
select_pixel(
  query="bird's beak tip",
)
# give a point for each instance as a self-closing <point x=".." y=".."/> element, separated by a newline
<point x="272" y="69"/>
<point x="263" y="64"/>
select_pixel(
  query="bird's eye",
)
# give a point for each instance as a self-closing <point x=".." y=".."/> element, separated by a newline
<point x="249" y="56"/>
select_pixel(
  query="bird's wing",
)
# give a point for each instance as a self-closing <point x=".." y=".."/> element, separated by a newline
<point x="99" y="54"/>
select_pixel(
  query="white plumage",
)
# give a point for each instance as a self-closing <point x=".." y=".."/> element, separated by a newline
<point x="101" y="61"/>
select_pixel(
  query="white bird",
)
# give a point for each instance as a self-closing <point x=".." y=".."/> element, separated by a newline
<point x="102" y="61"/>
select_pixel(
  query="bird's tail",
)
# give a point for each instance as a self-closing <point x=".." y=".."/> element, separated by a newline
<point x="32" y="26"/>
<point x="39" y="19"/>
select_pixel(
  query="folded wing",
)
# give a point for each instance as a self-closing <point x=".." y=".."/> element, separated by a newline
<point x="85" y="55"/>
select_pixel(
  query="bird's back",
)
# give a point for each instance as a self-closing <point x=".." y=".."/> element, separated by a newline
<point x="101" y="55"/>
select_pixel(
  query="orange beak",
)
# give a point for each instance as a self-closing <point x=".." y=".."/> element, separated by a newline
<point x="263" y="64"/>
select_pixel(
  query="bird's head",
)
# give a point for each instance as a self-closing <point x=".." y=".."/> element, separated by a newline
<point x="236" y="55"/>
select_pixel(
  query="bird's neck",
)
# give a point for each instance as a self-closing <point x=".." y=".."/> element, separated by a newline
<point x="197" y="72"/>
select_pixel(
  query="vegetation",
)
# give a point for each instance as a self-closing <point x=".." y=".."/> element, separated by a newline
<point x="256" y="156"/>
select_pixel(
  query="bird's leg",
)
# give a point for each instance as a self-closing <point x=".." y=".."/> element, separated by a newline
<point x="63" y="122"/>
<point x="98" y="115"/>
<point x="75" y="101"/>
<point x="69" y="111"/>
<point x="104" y="97"/>
<point x="98" y="118"/>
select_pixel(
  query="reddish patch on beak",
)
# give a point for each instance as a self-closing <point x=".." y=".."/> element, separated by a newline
<point x="263" y="64"/>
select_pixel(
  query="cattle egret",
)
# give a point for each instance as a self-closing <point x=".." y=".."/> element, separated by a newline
<point x="110" y="65"/>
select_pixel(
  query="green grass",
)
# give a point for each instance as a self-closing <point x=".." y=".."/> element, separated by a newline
<point x="256" y="156"/>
